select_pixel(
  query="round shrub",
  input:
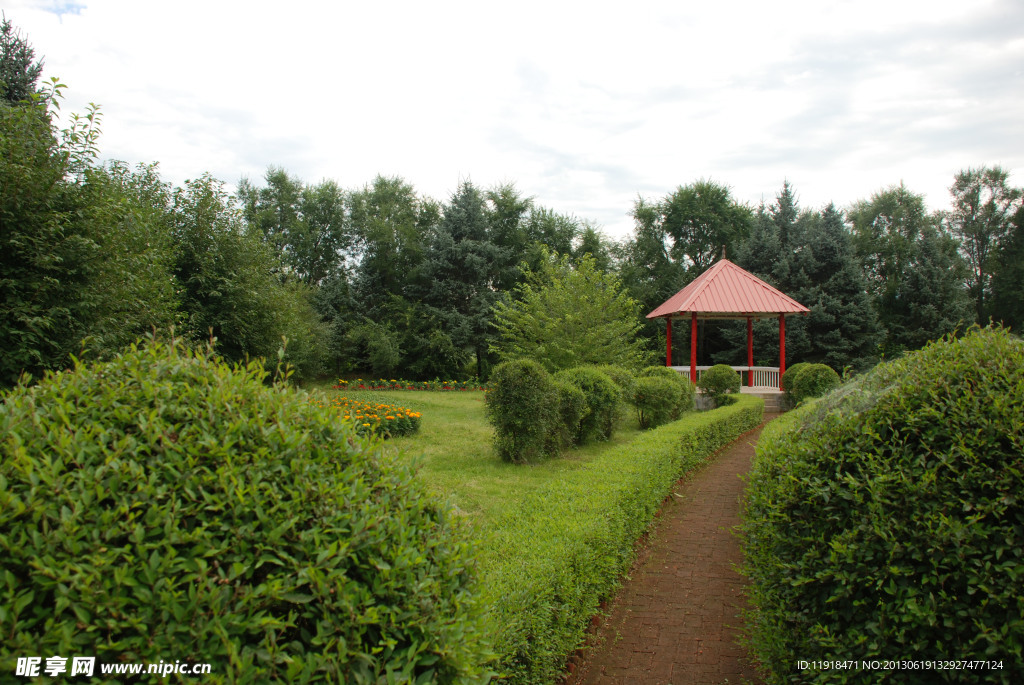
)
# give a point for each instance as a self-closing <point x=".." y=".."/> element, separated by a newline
<point x="891" y="520"/>
<point x="523" y="407"/>
<point x="813" y="380"/>
<point x="687" y="390"/>
<point x="655" y="399"/>
<point x="791" y="373"/>
<point x="718" y="381"/>
<point x="603" y="398"/>
<point x="164" y="505"/>
<point x="626" y="380"/>
<point x="572" y="408"/>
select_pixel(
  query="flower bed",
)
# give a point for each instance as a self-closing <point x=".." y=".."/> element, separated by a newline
<point x="385" y="384"/>
<point x="377" y="418"/>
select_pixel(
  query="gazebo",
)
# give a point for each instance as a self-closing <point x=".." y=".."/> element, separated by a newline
<point x="725" y="291"/>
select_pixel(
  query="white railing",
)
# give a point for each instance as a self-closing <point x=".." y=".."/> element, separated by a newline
<point x="764" y="376"/>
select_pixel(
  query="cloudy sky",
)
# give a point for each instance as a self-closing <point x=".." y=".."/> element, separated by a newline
<point x="581" y="106"/>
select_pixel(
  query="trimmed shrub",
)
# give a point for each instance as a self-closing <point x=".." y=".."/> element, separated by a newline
<point x="887" y="517"/>
<point x="791" y="372"/>
<point x="626" y="380"/>
<point x="656" y="399"/>
<point x="572" y="408"/>
<point x="603" y="398"/>
<point x="523" y="407"/>
<point x="688" y="393"/>
<point x="718" y="382"/>
<point x="812" y="380"/>
<point x="548" y="563"/>
<point x="164" y="504"/>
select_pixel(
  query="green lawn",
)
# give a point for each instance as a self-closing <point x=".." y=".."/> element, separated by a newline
<point x="453" y="454"/>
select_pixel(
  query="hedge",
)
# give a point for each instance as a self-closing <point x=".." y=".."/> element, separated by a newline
<point x="887" y="519"/>
<point x="166" y="506"/>
<point x="547" y="564"/>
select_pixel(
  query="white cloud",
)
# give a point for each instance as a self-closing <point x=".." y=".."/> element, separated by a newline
<point x="581" y="107"/>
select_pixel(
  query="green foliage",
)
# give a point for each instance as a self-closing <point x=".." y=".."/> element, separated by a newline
<point x="718" y="382"/>
<point x="887" y="517"/>
<point x="602" y="401"/>
<point x="49" y="259"/>
<point x="565" y="316"/>
<point x="523" y="406"/>
<point x="306" y="225"/>
<point x="984" y="205"/>
<point x="547" y="563"/>
<point x="687" y="390"/>
<point x="626" y="380"/>
<point x="791" y="373"/>
<point x="572" y="410"/>
<point x="230" y="285"/>
<point x="912" y="267"/>
<point x="165" y="503"/>
<point x="375" y="346"/>
<point x="19" y="69"/>
<point x="810" y="380"/>
<point x="656" y="400"/>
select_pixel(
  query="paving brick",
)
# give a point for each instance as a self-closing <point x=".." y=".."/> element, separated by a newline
<point x="676" y="619"/>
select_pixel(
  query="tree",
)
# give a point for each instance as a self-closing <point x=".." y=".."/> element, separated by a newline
<point x="983" y="208"/>
<point x="459" y="271"/>
<point x="913" y="270"/>
<point x="48" y="258"/>
<point x="1008" y="277"/>
<point x="810" y="257"/>
<point x="19" y="71"/>
<point x="306" y="225"/>
<point x="231" y="285"/>
<point x="564" y="316"/>
<point x="702" y="218"/>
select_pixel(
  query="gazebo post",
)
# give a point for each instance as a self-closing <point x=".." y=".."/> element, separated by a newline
<point x="668" y="341"/>
<point x="782" y="347"/>
<point x="693" y="347"/>
<point x="750" y="352"/>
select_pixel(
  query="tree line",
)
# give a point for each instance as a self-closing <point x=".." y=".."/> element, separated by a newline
<point x="382" y="280"/>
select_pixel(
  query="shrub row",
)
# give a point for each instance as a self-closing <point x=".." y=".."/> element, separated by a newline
<point x="547" y="564"/>
<point x="536" y="415"/>
<point x="887" y="518"/>
<point x="165" y="505"/>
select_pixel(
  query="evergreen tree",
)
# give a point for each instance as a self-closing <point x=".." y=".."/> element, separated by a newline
<point x="19" y="70"/>
<point x="460" y="267"/>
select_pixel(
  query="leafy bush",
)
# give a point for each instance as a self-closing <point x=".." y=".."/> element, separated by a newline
<point x="719" y="381"/>
<point x="523" y="405"/>
<point x="164" y="504"/>
<point x="547" y="563"/>
<point x="887" y="518"/>
<point x="791" y="373"/>
<point x="626" y="380"/>
<point x="602" y="396"/>
<point x="572" y="408"/>
<point x="811" y="380"/>
<point x="687" y="397"/>
<point x="655" y="399"/>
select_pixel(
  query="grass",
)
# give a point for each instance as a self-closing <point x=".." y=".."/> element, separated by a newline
<point x="453" y="454"/>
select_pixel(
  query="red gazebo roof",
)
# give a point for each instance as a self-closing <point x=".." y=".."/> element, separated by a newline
<point x="727" y="291"/>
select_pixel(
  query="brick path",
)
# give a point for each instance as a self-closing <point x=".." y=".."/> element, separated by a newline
<point x="675" y="621"/>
